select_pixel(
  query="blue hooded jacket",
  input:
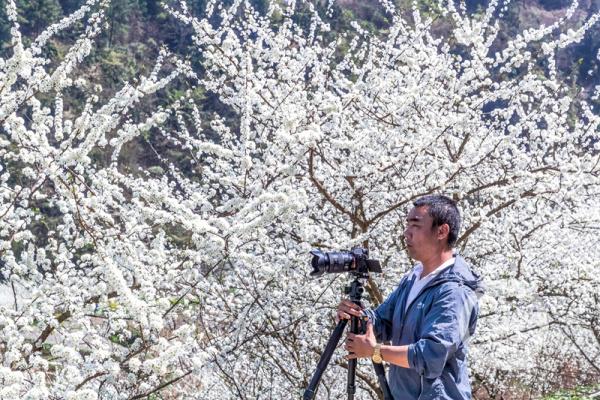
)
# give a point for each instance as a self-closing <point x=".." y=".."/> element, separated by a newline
<point x="436" y="327"/>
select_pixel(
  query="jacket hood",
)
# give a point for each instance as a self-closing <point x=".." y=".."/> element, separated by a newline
<point x="461" y="272"/>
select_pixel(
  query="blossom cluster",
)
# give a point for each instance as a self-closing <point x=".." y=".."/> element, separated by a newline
<point x="349" y="139"/>
<point x="90" y="282"/>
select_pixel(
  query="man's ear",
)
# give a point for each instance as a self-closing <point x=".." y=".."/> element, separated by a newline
<point x="443" y="232"/>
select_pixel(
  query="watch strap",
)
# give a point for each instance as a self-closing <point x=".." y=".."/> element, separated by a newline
<point x="377" y="354"/>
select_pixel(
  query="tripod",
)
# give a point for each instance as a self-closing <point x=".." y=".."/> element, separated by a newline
<point x="355" y="290"/>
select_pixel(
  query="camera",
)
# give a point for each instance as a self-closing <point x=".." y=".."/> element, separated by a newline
<point x="355" y="261"/>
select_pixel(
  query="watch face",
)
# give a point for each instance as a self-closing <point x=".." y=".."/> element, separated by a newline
<point x="377" y="358"/>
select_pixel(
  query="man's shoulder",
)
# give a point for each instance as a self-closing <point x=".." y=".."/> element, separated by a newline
<point x="468" y="277"/>
<point x="444" y="288"/>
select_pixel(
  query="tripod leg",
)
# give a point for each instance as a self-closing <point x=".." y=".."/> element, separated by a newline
<point x="351" y="386"/>
<point x="355" y="327"/>
<point x="385" y="388"/>
<point x="334" y="339"/>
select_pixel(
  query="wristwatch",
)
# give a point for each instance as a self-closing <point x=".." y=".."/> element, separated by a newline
<point x="377" y="359"/>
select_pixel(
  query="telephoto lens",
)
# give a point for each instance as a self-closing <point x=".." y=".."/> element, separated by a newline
<point x="333" y="262"/>
<point x="343" y="261"/>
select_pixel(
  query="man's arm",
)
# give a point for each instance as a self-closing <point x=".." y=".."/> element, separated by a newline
<point x="363" y="346"/>
<point x="397" y="355"/>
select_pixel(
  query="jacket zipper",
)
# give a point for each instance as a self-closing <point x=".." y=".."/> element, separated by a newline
<point x="420" y="389"/>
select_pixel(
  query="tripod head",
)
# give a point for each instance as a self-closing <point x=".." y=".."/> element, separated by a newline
<point x="356" y="288"/>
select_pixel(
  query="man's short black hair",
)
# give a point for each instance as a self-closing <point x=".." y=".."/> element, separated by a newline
<point x="443" y="210"/>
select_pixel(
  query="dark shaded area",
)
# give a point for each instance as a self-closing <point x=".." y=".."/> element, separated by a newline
<point x="555" y="4"/>
<point x="2" y="276"/>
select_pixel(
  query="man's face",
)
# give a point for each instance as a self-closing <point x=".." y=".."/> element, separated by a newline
<point x="421" y="239"/>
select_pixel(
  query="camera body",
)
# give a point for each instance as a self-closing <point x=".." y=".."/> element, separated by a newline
<point x="354" y="261"/>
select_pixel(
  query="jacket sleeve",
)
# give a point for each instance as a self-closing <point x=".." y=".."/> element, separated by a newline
<point x="444" y="328"/>
<point x="383" y="316"/>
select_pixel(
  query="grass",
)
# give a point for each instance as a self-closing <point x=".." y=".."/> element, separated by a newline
<point x="580" y="393"/>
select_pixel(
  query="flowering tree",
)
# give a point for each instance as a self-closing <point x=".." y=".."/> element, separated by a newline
<point x="194" y="283"/>
<point x="334" y="146"/>
<point x="85" y="245"/>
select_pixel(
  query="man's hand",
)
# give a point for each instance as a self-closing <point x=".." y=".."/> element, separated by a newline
<point x="346" y="309"/>
<point x="361" y="346"/>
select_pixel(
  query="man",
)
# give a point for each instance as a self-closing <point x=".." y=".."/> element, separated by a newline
<point x="430" y="315"/>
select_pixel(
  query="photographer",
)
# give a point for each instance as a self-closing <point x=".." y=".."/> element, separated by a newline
<point x="431" y="314"/>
